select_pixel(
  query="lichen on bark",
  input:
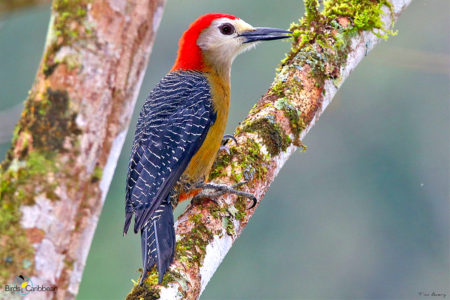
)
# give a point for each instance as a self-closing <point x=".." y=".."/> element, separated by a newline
<point x="45" y="131"/>
<point x="69" y="26"/>
<point x="47" y="128"/>
<point x="321" y="38"/>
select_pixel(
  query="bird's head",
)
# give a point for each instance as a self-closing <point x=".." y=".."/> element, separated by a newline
<point x="214" y="40"/>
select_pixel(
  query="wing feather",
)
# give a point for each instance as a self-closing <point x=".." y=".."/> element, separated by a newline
<point x="171" y="128"/>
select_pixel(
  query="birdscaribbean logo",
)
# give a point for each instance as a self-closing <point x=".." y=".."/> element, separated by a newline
<point x="23" y="286"/>
<point x="23" y="282"/>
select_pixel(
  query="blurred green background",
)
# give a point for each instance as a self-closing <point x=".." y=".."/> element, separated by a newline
<point x="363" y="214"/>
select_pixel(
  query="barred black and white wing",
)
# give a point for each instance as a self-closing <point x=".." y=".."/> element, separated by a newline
<point x="171" y="128"/>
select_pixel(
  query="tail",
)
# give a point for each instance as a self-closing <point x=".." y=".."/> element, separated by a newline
<point x="158" y="241"/>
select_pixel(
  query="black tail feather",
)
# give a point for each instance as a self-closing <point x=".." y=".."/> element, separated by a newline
<point x="158" y="241"/>
<point x="128" y="217"/>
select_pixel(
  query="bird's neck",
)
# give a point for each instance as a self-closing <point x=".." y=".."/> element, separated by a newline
<point x="220" y="92"/>
<point x="219" y="65"/>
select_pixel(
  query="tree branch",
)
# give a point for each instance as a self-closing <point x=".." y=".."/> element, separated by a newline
<point x="56" y="175"/>
<point x="327" y="46"/>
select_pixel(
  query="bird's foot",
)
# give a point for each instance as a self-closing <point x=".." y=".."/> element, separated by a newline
<point x="225" y="140"/>
<point x="214" y="190"/>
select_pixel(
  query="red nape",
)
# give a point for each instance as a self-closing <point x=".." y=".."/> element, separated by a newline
<point x="189" y="53"/>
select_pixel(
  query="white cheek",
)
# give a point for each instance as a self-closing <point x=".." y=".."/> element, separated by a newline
<point x="221" y="49"/>
<point x="248" y="46"/>
<point x="221" y="46"/>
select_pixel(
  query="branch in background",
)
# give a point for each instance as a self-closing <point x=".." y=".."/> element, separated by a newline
<point x="8" y="6"/>
<point x="66" y="145"/>
<point x="327" y="46"/>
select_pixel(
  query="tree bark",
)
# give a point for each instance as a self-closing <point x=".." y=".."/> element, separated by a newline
<point x="327" y="46"/>
<point x="65" y="147"/>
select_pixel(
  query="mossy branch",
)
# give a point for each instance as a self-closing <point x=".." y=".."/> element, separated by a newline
<point x="66" y="145"/>
<point x="327" y="46"/>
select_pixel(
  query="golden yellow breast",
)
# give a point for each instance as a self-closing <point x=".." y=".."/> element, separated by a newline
<point x="201" y="162"/>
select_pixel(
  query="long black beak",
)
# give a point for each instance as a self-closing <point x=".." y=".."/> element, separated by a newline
<point x="265" y="34"/>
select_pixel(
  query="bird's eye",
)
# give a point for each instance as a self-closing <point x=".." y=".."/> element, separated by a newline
<point x="226" y="29"/>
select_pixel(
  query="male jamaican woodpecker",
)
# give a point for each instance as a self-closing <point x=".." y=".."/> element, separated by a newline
<point x="180" y="129"/>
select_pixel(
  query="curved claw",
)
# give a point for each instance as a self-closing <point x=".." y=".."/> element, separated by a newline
<point x="248" y="195"/>
<point x="255" y="201"/>
<point x="228" y="137"/>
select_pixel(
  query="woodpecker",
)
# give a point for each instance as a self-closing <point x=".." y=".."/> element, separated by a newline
<point x="180" y="129"/>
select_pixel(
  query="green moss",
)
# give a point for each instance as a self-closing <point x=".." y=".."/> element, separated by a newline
<point x="273" y="136"/>
<point x="21" y="174"/>
<point x="278" y="88"/>
<point x="197" y="218"/>
<point x="148" y="290"/>
<point x="217" y="211"/>
<point x="97" y="174"/>
<point x="295" y="121"/>
<point x="20" y="182"/>
<point x="29" y="171"/>
<point x="241" y="207"/>
<point x="14" y="246"/>
<point x="152" y="278"/>
<point x="252" y="161"/>
<point x="39" y="164"/>
<point x="227" y="223"/>
<point x="246" y="162"/>
<point x="320" y="41"/>
<point x="70" y="16"/>
<point x="143" y="293"/>
<point x="50" y="119"/>
<point x="69" y="262"/>
<point x="363" y="15"/>
<point x="219" y="166"/>
<point x="222" y="162"/>
<point x="168" y="278"/>
<point x="69" y="26"/>
<point x="311" y="10"/>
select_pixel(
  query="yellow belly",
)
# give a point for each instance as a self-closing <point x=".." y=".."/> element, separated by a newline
<point x="201" y="162"/>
